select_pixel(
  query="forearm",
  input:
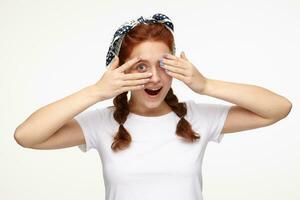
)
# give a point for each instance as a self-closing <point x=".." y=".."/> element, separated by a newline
<point x="44" y="122"/>
<point x="259" y="100"/>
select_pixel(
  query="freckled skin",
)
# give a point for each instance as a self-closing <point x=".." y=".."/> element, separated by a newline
<point x="138" y="102"/>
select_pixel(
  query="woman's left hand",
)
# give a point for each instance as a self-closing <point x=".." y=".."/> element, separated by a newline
<point x="182" y="69"/>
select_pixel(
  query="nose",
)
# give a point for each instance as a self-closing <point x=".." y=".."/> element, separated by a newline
<point x="155" y="78"/>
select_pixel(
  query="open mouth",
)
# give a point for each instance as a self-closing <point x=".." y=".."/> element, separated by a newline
<point x="151" y="92"/>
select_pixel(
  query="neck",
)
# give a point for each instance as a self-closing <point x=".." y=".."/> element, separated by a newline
<point x="164" y="108"/>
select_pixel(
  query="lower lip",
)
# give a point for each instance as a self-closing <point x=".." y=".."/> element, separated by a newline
<point x="152" y="96"/>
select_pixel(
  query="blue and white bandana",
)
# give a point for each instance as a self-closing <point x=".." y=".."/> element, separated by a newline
<point x="117" y="39"/>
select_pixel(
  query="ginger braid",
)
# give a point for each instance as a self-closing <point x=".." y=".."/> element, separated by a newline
<point x="183" y="128"/>
<point x="122" y="138"/>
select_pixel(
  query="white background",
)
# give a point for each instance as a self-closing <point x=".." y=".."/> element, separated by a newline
<point x="51" y="49"/>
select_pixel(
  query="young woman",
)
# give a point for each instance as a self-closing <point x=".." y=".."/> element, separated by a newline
<point x="151" y="146"/>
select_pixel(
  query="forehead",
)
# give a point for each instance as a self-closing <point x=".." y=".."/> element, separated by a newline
<point x="150" y="51"/>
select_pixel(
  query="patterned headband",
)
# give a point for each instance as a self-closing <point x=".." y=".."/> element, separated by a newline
<point x="116" y="42"/>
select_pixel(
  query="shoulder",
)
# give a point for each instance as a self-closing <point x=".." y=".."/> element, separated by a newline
<point x="103" y="112"/>
<point x="100" y="115"/>
<point x="207" y="118"/>
<point x="204" y="110"/>
<point x="106" y="113"/>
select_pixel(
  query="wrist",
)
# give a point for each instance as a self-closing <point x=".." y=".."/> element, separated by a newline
<point x="94" y="93"/>
<point x="207" y="86"/>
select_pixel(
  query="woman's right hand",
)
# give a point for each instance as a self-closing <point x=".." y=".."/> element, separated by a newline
<point x="114" y="81"/>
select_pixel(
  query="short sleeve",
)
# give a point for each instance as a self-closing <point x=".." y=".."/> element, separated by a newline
<point x="210" y="117"/>
<point x="88" y="122"/>
<point x="218" y="114"/>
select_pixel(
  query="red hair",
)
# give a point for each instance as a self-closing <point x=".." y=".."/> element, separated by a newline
<point x="141" y="33"/>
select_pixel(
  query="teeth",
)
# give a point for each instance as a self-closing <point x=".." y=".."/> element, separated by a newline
<point x="154" y="89"/>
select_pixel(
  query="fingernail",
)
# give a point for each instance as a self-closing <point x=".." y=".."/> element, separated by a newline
<point x="161" y="63"/>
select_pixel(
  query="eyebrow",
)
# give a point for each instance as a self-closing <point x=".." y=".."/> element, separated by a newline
<point x="143" y="60"/>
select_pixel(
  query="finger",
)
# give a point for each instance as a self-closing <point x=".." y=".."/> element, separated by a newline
<point x="175" y="69"/>
<point x="136" y="76"/>
<point x="176" y="75"/>
<point x="170" y="56"/>
<point x="135" y="82"/>
<point x="128" y="64"/>
<point x="175" y="63"/>
<point x="182" y="55"/>
<point x="138" y="87"/>
<point x="175" y="59"/>
<point x="114" y="64"/>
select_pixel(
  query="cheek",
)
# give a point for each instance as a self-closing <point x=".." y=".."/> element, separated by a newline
<point x="137" y="92"/>
<point x="163" y="72"/>
<point x="166" y="76"/>
<point x="167" y="80"/>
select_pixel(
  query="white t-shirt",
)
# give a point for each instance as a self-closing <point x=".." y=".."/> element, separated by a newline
<point x="158" y="164"/>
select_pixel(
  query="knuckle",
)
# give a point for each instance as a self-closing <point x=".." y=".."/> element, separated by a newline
<point x="119" y="82"/>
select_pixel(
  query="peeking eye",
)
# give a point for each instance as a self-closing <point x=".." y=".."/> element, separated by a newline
<point x="141" y="68"/>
